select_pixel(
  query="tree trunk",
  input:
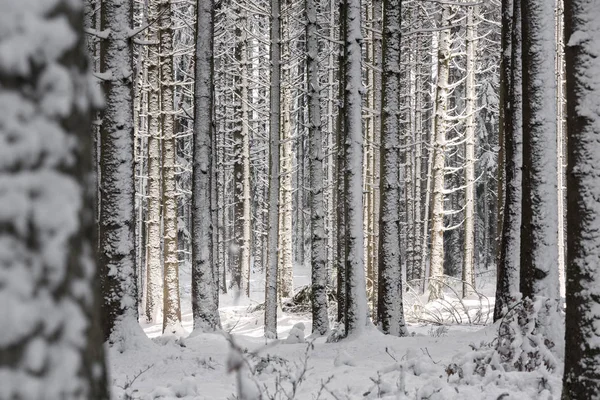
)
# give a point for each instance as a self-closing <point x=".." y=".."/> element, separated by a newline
<point x="171" y="303"/>
<point x="205" y="306"/>
<point x="582" y="358"/>
<point x="117" y="211"/>
<point x="274" y="131"/>
<point x="317" y="216"/>
<point x="436" y="270"/>
<point x="52" y="344"/>
<point x="539" y="228"/>
<point x="390" y="309"/>
<point x="356" y="299"/>
<point x="511" y="105"/>
<point x="154" y="295"/>
<point x="468" y="271"/>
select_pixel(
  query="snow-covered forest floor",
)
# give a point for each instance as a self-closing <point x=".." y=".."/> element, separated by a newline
<point x="436" y="362"/>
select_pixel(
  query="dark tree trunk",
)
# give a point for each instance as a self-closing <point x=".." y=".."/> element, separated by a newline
<point x="582" y="356"/>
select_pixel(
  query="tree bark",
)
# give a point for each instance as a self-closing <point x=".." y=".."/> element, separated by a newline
<point x="539" y="228"/>
<point x="390" y="308"/>
<point x="274" y="131"/>
<point x="205" y="305"/>
<point x="507" y="284"/>
<point x="582" y="37"/>
<point x="317" y="216"/>
<point x="356" y="299"/>
<point x="51" y="344"/>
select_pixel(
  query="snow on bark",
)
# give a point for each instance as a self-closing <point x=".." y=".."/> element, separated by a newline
<point x="204" y="271"/>
<point x="356" y="295"/>
<point x="154" y="295"/>
<point x="315" y="133"/>
<point x="539" y="228"/>
<point x="582" y="37"/>
<point x="171" y="303"/>
<point x="117" y="194"/>
<point x="507" y="284"/>
<point x="390" y="309"/>
<point x="274" y="130"/>
<point x="468" y="271"/>
<point x="51" y="339"/>
<point x="436" y="269"/>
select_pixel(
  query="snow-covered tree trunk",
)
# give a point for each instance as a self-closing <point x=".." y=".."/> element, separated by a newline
<point x="51" y="344"/>
<point x="582" y="41"/>
<point x="274" y="131"/>
<point x="436" y="269"/>
<point x="116" y="257"/>
<point x="561" y="140"/>
<point x="390" y="310"/>
<point x="356" y="299"/>
<point x="285" y="269"/>
<point x="204" y="271"/>
<point x="171" y="303"/>
<point x="507" y="283"/>
<point x="468" y="271"/>
<point x="317" y="210"/>
<point x="241" y="169"/>
<point x="539" y="227"/>
<point x="154" y="295"/>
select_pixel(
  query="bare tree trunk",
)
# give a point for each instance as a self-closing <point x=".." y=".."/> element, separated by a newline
<point x="52" y="344"/>
<point x="317" y="218"/>
<point x="508" y="265"/>
<point x="539" y="228"/>
<point x="356" y="300"/>
<point x="582" y="358"/>
<point x="205" y="306"/>
<point x="154" y="262"/>
<point x="436" y="270"/>
<point x="390" y="308"/>
<point x="274" y="131"/>
<point x="171" y="305"/>
<point x="468" y="271"/>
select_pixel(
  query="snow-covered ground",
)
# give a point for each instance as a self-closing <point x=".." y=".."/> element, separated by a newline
<point x="427" y="365"/>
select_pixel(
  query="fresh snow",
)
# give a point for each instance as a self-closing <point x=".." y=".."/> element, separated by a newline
<point x="368" y="365"/>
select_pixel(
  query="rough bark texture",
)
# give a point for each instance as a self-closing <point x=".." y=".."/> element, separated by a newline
<point x="539" y="228"/>
<point x="205" y="299"/>
<point x="171" y="304"/>
<point x="274" y="129"/>
<point x="154" y="296"/>
<point x="507" y="284"/>
<point x="317" y="217"/>
<point x="117" y="194"/>
<point x="51" y="344"/>
<point x="468" y="270"/>
<point x="582" y="37"/>
<point x="390" y="310"/>
<point x="440" y="126"/>
<point x="356" y="300"/>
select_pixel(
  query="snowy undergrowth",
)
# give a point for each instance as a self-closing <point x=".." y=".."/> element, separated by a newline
<point x="437" y="362"/>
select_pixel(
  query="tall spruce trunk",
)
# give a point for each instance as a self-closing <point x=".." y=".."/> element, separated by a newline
<point x="205" y="306"/>
<point x="274" y="131"/>
<point x="116" y="257"/>
<point x="318" y="250"/>
<point x="154" y="262"/>
<point x="582" y="39"/>
<point x="390" y="309"/>
<point x="356" y="299"/>
<point x="171" y="302"/>
<point x="507" y="283"/>
<point x="51" y="344"/>
<point x="436" y="269"/>
<point x="539" y="227"/>
<point x="468" y="270"/>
